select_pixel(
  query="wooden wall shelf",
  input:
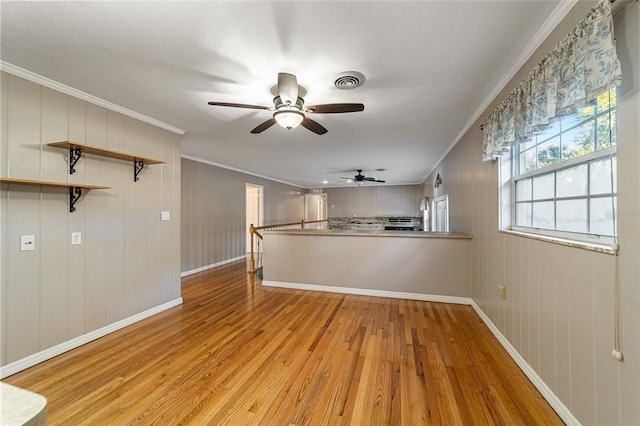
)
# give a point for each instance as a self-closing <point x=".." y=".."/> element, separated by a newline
<point x="76" y="149"/>
<point x="75" y="189"/>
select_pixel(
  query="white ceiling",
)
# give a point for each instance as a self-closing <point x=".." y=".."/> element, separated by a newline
<point x="431" y="67"/>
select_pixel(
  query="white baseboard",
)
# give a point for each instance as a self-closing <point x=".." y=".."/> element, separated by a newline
<point x="370" y="292"/>
<point x="213" y="265"/>
<point x="49" y="353"/>
<point x="546" y="392"/>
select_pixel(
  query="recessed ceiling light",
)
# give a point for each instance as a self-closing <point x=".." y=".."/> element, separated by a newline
<point x="325" y="182"/>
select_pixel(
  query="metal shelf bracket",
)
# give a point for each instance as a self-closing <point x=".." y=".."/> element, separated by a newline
<point x="74" y="156"/>
<point x="138" y="165"/>
<point x="74" y="195"/>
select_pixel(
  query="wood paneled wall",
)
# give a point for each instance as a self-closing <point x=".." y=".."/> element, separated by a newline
<point x="559" y="311"/>
<point x="368" y="201"/>
<point x="214" y="212"/>
<point x="129" y="260"/>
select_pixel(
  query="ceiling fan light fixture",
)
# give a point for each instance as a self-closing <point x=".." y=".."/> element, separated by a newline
<point x="288" y="118"/>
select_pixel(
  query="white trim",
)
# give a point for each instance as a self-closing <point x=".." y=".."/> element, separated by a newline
<point x="54" y="351"/>
<point x="211" y="266"/>
<point x="434" y="213"/>
<point x="370" y="292"/>
<point x="606" y="248"/>
<point x="235" y="169"/>
<point x="567" y="164"/>
<point x="546" y="392"/>
<point x="549" y="25"/>
<point x="44" y="81"/>
<point x="246" y="172"/>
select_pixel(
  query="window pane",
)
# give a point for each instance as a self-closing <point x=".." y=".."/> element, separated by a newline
<point x="571" y="215"/>
<point x="549" y="152"/>
<point x="572" y="143"/>
<point x="600" y="177"/>
<point x="601" y="216"/>
<point x="543" y="186"/>
<point x="523" y="190"/>
<point x="570" y="121"/>
<point x="572" y="182"/>
<point x="528" y="161"/>
<point x="543" y="215"/>
<point x="584" y="137"/>
<point x="523" y="214"/>
<point x="553" y="129"/>
<point x="587" y="112"/>
<point x="604" y="131"/>
<point x="614" y="127"/>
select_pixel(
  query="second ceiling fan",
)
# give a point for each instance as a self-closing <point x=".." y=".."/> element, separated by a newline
<point x="289" y="110"/>
<point x="360" y="179"/>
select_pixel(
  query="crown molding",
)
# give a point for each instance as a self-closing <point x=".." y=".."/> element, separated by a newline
<point x="558" y="14"/>
<point x="44" y="81"/>
<point x="246" y="172"/>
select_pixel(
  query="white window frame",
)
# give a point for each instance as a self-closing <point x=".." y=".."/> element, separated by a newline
<point x="508" y="179"/>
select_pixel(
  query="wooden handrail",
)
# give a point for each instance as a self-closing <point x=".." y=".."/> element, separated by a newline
<point x="302" y="222"/>
<point x="253" y="230"/>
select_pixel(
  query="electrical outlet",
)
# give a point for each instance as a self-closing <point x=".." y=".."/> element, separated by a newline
<point x="166" y="215"/>
<point x="502" y="292"/>
<point x="76" y="238"/>
<point x="27" y="242"/>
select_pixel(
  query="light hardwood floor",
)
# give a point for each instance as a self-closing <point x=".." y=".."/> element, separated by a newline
<point x="239" y="353"/>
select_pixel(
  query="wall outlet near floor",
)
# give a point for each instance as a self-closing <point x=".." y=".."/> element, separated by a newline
<point x="502" y="292"/>
<point x="76" y="238"/>
<point x="27" y="242"/>
<point x="166" y="215"/>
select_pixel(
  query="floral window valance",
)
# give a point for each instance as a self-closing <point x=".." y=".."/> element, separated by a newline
<point x="582" y="66"/>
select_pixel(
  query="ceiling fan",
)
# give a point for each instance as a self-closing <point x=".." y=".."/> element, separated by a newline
<point x="360" y="179"/>
<point x="289" y="109"/>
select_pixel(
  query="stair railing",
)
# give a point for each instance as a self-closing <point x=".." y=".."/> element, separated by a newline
<point x="255" y="251"/>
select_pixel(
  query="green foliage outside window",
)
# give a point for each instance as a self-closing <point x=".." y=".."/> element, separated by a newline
<point x="592" y="129"/>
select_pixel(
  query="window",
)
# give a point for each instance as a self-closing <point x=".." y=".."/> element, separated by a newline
<point x="441" y="214"/>
<point x="563" y="182"/>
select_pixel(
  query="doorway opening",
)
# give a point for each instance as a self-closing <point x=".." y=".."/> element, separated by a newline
<point x="254" y="211"/>
<point x="441" y="214"/>
<point x="315" y="208"/>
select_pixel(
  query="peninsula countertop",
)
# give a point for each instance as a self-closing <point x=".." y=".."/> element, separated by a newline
<point x="371" y="233"/>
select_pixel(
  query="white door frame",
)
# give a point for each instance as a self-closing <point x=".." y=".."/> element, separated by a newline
<point x="249" y="215"/>
<point x="322" y="214"/>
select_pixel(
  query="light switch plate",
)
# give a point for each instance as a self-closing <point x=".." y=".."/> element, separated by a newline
<point x="166" y="215"/>
<point x="27" y="242"/>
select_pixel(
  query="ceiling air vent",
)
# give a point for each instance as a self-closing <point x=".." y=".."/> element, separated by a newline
<point x="349" y="80"/>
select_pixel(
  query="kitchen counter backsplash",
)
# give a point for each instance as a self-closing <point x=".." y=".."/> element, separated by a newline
<point x="388" y="223"/>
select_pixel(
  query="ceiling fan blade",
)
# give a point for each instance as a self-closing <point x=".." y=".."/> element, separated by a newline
<point x="264" y="126"/>
<point x="288" y="88"/>
<point x="314" y="126"/>
<point x="334" y="108"/>
<point x="227" y="104"/>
